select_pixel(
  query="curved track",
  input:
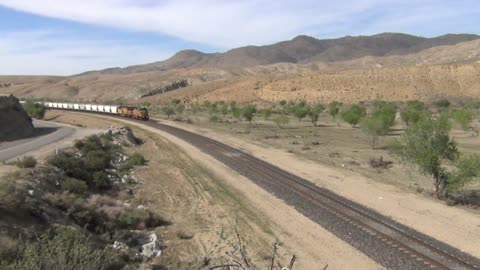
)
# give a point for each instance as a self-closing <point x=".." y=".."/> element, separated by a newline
<point x="393" y="245"/>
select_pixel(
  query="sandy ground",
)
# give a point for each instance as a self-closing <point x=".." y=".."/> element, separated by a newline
<point x="266" y="217"/>
<point x="456" y="226"/>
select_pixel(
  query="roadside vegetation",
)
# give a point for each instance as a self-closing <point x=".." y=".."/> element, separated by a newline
<point x="391" y="129"/>
<point x="34" y="110"/>
<point x="71" y="208"/>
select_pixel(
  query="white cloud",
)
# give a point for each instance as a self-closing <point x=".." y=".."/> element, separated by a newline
<point x="50" y="52"/>
<point x="229" y="24"/>
<point x="218" y="23"/>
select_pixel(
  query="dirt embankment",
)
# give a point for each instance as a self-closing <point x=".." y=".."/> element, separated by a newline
<point x="14" y="121"/>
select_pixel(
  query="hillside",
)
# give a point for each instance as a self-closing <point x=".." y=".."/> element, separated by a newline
<point x="450" y="70"/>
<point x="349" y="86"/>
<point x="302" y="49"/>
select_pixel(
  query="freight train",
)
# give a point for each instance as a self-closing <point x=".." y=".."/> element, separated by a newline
<point x="125" y="111"/>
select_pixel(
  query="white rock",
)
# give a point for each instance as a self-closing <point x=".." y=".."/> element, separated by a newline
<point x="119" y="246"/>
<point x="30" y="192"/>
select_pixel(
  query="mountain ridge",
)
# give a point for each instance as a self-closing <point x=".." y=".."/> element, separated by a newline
<point x="302" y="49"/>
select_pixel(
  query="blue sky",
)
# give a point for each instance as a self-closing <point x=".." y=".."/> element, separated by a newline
<point x="62" y="37"/>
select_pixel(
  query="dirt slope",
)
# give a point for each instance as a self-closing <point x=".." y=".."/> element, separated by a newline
<point x="392" y="83"/>
<point x="14" y="121"/>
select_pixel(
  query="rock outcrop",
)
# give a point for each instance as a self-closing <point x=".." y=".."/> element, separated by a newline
<point x="14" y="121"/>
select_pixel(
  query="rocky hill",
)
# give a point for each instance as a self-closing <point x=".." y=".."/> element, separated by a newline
<point x="14" y="121"/>
<point x="302" y="49"/>
<point x="439" y="70"/>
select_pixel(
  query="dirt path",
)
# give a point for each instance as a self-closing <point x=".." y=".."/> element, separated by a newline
<point x="452" y="225"/>
<point x="206" y="197"/>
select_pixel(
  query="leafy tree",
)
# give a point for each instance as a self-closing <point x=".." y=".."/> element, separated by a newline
<point x="224" y="109"/>
<point x="334" y="108"/>
<point x="300" y="112"/>
<point x="266" y="113"/>
<point x="354" y="114"/>
<point x="236" y="112"/>
<point x="168" y="111"/>
<point x="386" y="111"/>
<point x="248" y="112"/>
<point x="416" y="105"/>
<point x="442" y="103"/>
<point x="213" y="108"/>
<point x="283" y="103"/>
<point x="375" y="126"/>
<point x="463" y="118"/>
<point x="410" y="116"/>
<point x="34" y="110"/>
<point x="314" y="113"/>
<point x="428" y="145"/>
<point x="413" y="112"/>
<point x="180" y="108"/>
<point x="467" y="170"/>
<point x="302" y="103"/>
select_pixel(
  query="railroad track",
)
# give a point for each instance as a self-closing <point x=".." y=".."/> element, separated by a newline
<point x="391" y="244"/>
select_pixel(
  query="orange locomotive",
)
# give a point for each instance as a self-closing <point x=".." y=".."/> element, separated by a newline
<point x="133" y="112"/>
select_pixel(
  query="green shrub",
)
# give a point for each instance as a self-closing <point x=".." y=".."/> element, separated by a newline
<point x="75" y="186"/>
<point x="72" y="166"/>
<point x="300" y="112"/>
<point x="442" y="103"/>
<point x="168" y="111"/>
<point x="11" y="195"/>
<point x="248" y="112"/>
<point x="140" y="218"/>
<point x="97" y="160"/>
<point x="266" y="113"/>
<point x="90" y="143"/>
<point x="65" y="248"/>
<point x="101" y="180"/>
<point x="34" y="110"/>
<point x="375" y="126"/>
<point x="334" y="108"/>
<point x="463" y="118"/>
<point x="136" y="159"/>
<point x="26" y="162"/>
<point x="354" y="114"/>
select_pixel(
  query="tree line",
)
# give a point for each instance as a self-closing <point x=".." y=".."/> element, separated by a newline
<point x="426" y="142"/>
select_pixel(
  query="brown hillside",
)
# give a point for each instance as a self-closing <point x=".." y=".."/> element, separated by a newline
<point x="393" y="83"/>
<point x="302" y="49"/>
<point x="426" y="74"/>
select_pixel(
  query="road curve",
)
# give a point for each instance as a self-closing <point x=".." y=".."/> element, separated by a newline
<point x="47" y="133"/>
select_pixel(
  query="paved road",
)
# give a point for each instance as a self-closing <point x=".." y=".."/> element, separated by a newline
<point x="47" y="133"/>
